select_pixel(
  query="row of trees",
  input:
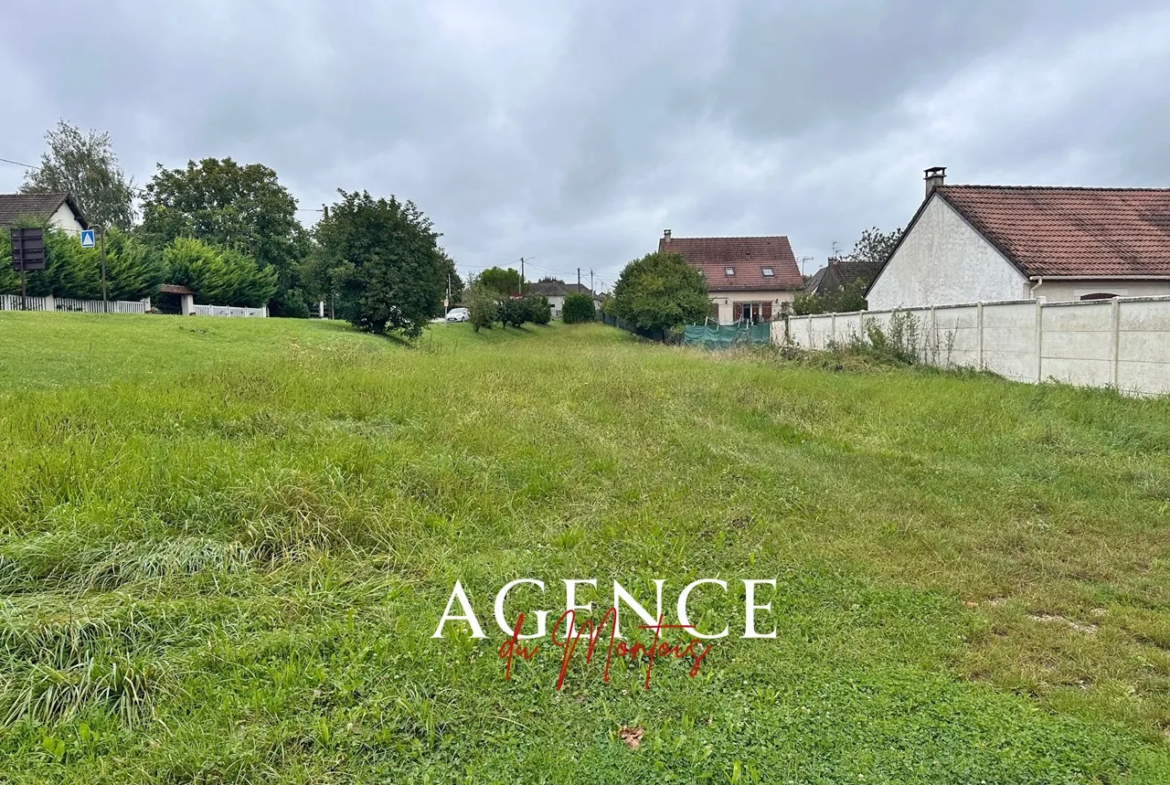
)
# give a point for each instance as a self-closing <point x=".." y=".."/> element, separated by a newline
<point x="488" y="306"/>
<point x="230" y="232"/>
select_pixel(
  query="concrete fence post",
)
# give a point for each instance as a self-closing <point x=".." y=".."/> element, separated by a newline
<point x="1039" y="339"/>
<point x="50" y="302"/>
<point x="808" y="321"/>
<point x="1115" y="343"/>
<point x="932" y="337"/>
<point x="979" y="330"/>
<point x="833" y="326"/>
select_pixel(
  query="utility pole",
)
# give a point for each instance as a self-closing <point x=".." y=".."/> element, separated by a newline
<point x="325" y="207"/>
<point x="591" y="282"/>
<point x="102" y="236"/>
<point x="578" y="279"/>
<point x="447" y="302"/>
<point x="521" y="276"/>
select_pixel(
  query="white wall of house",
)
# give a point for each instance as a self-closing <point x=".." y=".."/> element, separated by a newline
<point x="1061" y="290"/>
<point x="944" y="261"/>
<point x="557" y="303"/>
<point x="64" y="219"/>
<point x="726" y="301"/>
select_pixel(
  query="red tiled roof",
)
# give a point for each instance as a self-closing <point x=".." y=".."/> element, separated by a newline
<point x="1071" y="231"/>
<point x="748" y="255"/>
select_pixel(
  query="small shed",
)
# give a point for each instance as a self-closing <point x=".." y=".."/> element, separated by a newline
<point x="175" y="298"/>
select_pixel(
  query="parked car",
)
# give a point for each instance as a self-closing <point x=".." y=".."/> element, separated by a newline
<point x="459" y="315"/>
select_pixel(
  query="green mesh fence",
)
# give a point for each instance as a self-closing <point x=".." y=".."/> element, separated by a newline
<point x="721" y="336"/>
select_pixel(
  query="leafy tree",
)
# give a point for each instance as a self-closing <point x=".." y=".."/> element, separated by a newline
<point x="243" y="208"/>
<point x="506" y="282"/>
<point x="875" y="246"/>
<point x="219" y="276"/>
<point x="660" y="291"/>
<point x="483" y="303"/>
<point x="85" y="165"/>
<point x="384" y="259"/>
<point x="806" y="304"/>
<point x="842" y="300"/>
<point x="578" y="308"/>
<point x="512" y="311"/>
<point x="539" y="311"/>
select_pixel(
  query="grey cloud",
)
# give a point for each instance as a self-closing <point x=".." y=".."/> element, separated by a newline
<point x="574" y="133"/>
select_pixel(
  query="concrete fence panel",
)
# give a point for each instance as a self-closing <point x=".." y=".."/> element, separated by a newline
<point x="1122" y="343"/>
<point x="1077" y="343"/>
<point x="1143" y="345"/>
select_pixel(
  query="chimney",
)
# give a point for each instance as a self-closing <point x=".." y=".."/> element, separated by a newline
<point x="935" y="176"/>
<point x="666" y="235"/>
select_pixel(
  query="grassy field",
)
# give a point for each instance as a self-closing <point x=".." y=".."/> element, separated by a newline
<point x="225" y="545"/>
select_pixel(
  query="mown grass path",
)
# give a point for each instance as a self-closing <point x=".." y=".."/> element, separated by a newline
<point x="225" y="544"/>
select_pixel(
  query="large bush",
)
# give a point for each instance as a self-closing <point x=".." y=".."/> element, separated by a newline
<point x="538" y="309"/>
<point x="383" y="255"/>
<point x="219" y="277"/>
<point x="482" y="303"/>
<point x="512" y="311"/>
<point x="660" y="291"/>
<point x="578" y="308"/>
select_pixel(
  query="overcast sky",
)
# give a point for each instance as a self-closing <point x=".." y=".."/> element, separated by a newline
<point x="573" y="133"/>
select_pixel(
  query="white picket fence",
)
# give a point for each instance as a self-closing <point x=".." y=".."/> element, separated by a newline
<point x="12" y="302"/>
<point x="230" y="310"/>
<point x="1123" y="343"/>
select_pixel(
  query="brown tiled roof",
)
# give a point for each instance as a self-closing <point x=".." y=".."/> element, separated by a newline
<point x="1071" y="231"/>
<point x="748" y="255"/>
<point x="174" y="288"/>
<point x="35" y="207"/>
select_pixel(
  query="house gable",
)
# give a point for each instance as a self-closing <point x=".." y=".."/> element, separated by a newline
<point x="940" y="260"/>
<point x="58" y="209"/>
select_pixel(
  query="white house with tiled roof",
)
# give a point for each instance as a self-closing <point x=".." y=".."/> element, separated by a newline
<point x="982" y="243"/>
<point x="749" y="278"/>
<point x="58" y="210"/>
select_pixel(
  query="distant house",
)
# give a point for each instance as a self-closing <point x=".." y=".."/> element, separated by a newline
<point x="556" y="291"/>
<point x="840" y="274"/>
<point x="982" y="243"/>
<point x="59" y="210"/>
<point x="749" y="278"/>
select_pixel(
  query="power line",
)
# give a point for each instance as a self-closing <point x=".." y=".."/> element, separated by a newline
<point x="18" y="163"/>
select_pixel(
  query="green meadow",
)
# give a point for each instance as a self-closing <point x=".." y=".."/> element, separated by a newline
<point x="225" y="545"/>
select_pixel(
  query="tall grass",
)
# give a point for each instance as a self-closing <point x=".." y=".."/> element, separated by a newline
<point x="224" y="546"/>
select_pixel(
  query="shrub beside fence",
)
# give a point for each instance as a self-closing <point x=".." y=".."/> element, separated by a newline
<point x="1122" y="343"/>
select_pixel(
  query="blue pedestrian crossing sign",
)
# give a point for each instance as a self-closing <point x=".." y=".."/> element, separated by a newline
<point x="87" y="238"/>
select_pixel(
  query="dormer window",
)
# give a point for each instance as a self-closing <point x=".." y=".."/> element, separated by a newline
<point x="768" y="272"/>
<point x="729" y="270"/>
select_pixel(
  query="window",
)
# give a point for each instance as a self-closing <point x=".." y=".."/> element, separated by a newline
<point x="729" y="270"/>
<point x="768" y="272"/>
